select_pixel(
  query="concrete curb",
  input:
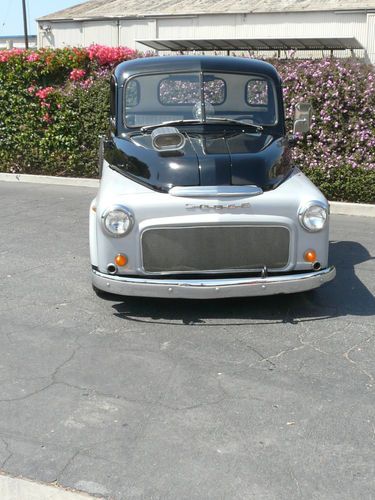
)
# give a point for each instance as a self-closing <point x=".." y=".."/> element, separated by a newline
<point x="12" y="488"/>
<point x="337" y="207"/>
<point x="358" y="209"/>
<point x="49" y="179"/>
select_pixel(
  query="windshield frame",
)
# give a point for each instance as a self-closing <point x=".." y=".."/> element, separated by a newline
<point x="278" y="106"/>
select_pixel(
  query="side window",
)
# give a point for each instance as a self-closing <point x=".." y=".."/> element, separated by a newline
<point x="257" y="92"/>
<point x="132" y="94"/>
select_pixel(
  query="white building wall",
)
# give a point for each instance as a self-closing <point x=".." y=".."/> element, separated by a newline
<point x="371" y="37"/>
<point x="101" y="33"/>
<point x="61" y="35"/>
<point x="275" y="25"/>
<point x="131" y="30"/>
<point x="17" y="42"/>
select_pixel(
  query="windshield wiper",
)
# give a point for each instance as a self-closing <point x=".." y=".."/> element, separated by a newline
<point x="208" y="118"/>
<point x="232" y="120"/>
<point x="171" y="122"/>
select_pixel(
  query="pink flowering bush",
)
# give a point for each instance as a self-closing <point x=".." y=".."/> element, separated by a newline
<point x="54" y="104"/>
<point x="8" y="55"/>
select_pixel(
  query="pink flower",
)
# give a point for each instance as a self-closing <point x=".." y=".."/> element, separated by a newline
<point x="31" y="89"/>
<point x="44" y="93"/>
<point x="110" y="55"/>
<point x="5" y="55"/>
<point x="77" y="74"/>
<point x="33" y="57"/>
<point x="46" y="118"/>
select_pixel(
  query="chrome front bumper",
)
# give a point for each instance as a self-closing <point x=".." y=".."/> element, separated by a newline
<point x="211" y="288"/>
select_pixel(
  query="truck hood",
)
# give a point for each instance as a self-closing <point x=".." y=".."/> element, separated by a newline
<point x="207" y="159"/>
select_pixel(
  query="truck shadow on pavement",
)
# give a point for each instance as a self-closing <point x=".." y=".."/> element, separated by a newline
<point x="345" y="295"/>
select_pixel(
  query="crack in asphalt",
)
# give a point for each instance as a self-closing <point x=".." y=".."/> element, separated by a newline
<point x="47" y="386"/>
<point x="281" y="353"/>
<point x="68" y="463"/>
<point x="7" y="449"/>
<point x="309" y="344"/>
<point x="303" y="344"/>
<point x="295" y="481"/>
<point x="346" y="355"/>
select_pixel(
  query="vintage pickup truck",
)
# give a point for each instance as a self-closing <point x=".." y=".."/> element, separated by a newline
<point x="199" y="197"/>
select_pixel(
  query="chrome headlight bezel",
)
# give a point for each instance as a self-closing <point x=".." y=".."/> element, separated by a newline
<point x="303" y="213"/>
<point x="122" y="209"/>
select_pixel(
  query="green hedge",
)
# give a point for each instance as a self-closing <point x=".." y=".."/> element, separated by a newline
<point x="54" y="105"/>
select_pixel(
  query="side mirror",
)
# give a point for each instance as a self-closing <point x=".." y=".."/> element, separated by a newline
<point x="302" y="118"/>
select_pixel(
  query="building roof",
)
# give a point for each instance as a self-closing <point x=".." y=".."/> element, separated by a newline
<point x="95" y="9"/>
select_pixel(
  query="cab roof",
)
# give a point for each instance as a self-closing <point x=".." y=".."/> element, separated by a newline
<point x="175" y="64"/>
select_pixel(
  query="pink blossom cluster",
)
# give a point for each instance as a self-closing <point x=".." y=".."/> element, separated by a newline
<point x="47" y="118"/>
<point x="33" y="57"/>
<point x="77" y="74"/>
<point x="99" y="54"/>
<point x="5" y="55"/>
<point x="44" y="93"/>
<point x="110" y="55"/>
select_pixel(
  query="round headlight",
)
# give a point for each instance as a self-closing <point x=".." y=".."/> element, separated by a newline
<point x="118" y="221"/>
<point x="313" y="216"/>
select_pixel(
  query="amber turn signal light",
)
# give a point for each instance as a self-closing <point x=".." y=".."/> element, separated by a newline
<point x="310" y="256"/>
<point x="121" y="259"/>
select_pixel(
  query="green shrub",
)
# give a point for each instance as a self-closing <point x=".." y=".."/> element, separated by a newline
<point x="346" y="183"/>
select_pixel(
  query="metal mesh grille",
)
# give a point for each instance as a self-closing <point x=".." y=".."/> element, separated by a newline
<point x="215" y="248"/>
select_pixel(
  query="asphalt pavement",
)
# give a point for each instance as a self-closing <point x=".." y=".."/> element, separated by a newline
<point x="134" y="398"/>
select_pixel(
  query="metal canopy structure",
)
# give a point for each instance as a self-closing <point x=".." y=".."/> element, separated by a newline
<point x="254" y="44"/>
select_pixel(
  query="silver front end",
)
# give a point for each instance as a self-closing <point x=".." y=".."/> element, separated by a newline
<point x="215" y="249"/>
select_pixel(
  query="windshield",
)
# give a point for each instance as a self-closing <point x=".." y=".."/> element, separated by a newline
<point x="154" y="99"/>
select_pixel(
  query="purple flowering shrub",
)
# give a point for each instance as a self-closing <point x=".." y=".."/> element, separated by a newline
<point x="339" y="152"/>
<point x="55" y="103"/>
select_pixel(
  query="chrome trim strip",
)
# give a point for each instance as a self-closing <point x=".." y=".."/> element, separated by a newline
<point x="212" y="288"/>
<point x="214" y="191"/>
